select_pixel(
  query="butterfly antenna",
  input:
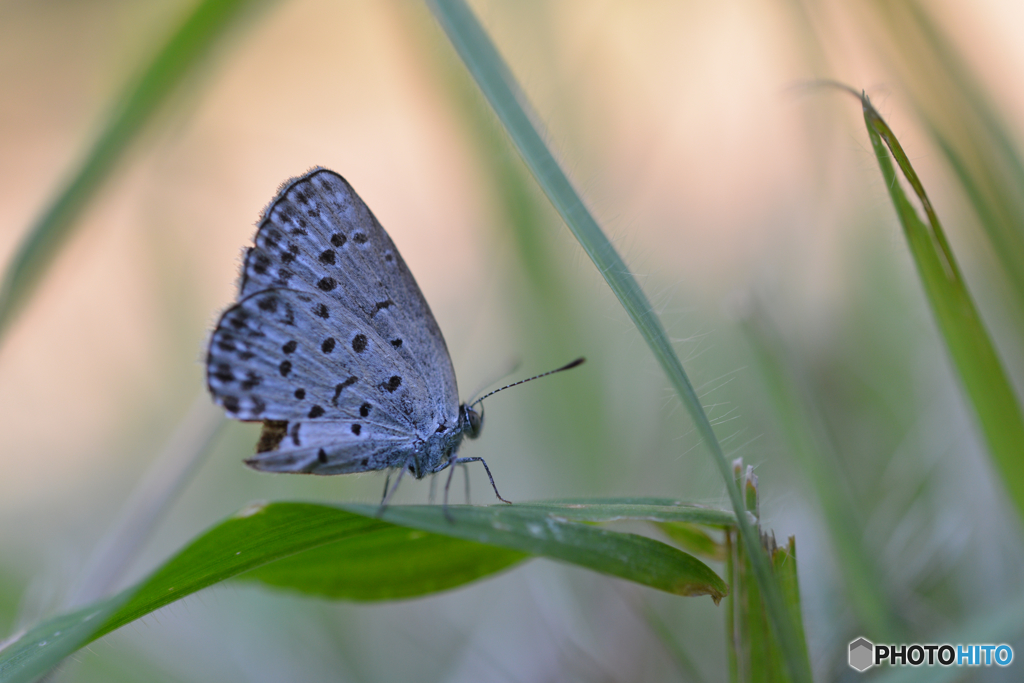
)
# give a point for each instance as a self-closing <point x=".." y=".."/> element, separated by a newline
<point x="570" y="366"/>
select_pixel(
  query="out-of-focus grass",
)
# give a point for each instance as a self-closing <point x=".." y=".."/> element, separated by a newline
<point x="185" y="54"/>
<point x="812" y="447"/>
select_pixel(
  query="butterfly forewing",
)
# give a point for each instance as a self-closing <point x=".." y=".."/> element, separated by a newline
<point x="318" y="236"/>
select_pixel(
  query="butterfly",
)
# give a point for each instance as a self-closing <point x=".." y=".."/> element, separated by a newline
<point x="332" y="346"/>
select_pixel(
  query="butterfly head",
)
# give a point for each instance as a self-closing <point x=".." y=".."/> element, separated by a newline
<point x="472" y="421"/>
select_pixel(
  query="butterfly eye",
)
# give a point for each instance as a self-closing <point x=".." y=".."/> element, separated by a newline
<point x="476" y="422"/>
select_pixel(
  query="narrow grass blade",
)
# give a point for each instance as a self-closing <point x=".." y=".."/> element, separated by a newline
<point x="351" y="553"/>
<point x="965" y="124"/>
<point x="186" y="51"/>
<point x="509" y="103"/>
<point x="754" y="652"/>
<point x="985" y="382"/>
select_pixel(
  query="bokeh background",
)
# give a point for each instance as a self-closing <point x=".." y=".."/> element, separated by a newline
<point x="750" y="207"/>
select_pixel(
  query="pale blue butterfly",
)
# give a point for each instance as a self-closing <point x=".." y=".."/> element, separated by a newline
<point x="333" y="347"/>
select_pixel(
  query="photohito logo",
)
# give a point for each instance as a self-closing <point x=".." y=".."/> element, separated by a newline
<point x="864" y="654"/>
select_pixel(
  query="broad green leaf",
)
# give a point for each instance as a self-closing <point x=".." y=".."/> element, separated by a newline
<point x="389" y="563"/>
<point x="985" y="382"/>
<point x="510" y="104"/>
<point x="187" y="49"/>
<point x="546" y="531"/>
<point x="350" y="553"/>
<point x="694" y="539"/>
<point x="648" y="509"/>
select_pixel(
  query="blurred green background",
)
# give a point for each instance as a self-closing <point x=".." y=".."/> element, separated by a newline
<point x="752" y="212"/>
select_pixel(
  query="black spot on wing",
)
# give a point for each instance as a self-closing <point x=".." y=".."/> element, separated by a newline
<point x="341" y="386"/>
<point x="223" y="373"/>
<point x="252" y="380"/>
<point x="380" y="306"/>
<point x="261" y="262"/>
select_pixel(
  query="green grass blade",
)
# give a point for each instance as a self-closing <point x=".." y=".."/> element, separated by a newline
<point x="785" y="566"/>
<point x="26" y="656"/>
<point x="965" y="123"/>
<point x="186" y="50"/>
<point x="985" y="382"/>
<point x="506" y="98"/>
<point x="350" y="553"/>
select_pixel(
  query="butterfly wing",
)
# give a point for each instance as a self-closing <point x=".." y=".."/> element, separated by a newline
<point x="318" y="236"/>
<point x="331" y="343"/>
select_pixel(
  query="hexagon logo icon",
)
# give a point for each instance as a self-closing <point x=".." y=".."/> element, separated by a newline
<point x="862" y="653"/>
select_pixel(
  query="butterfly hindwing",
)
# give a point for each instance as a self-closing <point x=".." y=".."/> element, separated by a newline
<point x="284" y="355"/>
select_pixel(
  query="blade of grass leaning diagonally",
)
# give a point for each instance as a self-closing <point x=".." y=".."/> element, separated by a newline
<point x="965" y="123"/>
<point x="349" y="553"/>
<point x="185" y="51"/>
<point x="509" y="103"/>
<point x="974" y="356"/>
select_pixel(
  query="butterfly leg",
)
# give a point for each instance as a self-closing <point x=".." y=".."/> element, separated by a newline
<point x="433" y="489"/>
<point x="447" y="485"/>
<point x="387" y="480"/>
<point x="465" y="473"/>
<point x="463" y="461"/>
<point x="389" y="494"/>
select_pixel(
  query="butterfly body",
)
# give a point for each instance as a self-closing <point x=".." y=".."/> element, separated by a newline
<point x="332" y="345"/>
